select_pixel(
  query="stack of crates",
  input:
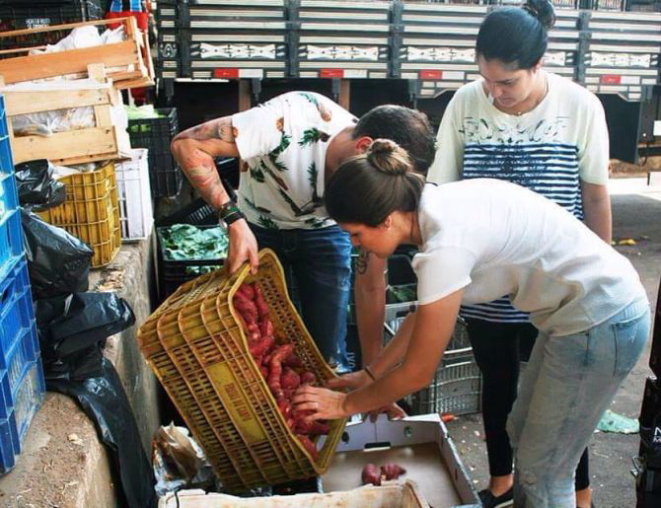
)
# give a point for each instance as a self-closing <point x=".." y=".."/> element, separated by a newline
<point x="19" y="14"/>
<point x="90" y="212"/>
<point x="197" y="348"/>
<point x="155" y="134"/>
<point x="21" y="373"/>
<point x="457" y="384"/>
<point x="343" y="40"/>
<point x="136" y="214"/>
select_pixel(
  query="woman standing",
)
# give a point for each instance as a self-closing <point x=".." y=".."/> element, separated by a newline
<point x="524" y="125"/>
<point x="478" y="240"/>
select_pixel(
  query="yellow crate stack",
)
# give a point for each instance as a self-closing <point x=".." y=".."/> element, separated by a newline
<point x="197" y="348"/>
<point x="91" y="212"/>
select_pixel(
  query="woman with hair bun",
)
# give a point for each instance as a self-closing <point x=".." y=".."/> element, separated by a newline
<point x="534" y="128"/>
<point x="480" y="239"/>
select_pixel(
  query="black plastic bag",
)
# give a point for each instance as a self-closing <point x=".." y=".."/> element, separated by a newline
<point x="104" y="401"/>
<point x="72" y="332"/>
<point x="58" y="262"/>
<point x="37" y="190"/>
<point x="70" y="327"/>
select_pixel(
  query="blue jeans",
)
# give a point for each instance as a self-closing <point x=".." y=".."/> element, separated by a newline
<point x="568" y="384"/>
<point x="317" y="263"/>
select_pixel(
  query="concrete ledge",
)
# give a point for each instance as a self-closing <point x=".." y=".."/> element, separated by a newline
<point x="63" y="464"/>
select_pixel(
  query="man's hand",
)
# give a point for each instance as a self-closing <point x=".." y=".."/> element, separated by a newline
<point x="242" y="247"/>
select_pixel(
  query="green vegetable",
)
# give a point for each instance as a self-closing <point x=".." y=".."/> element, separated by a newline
<point x="183" y="242"/>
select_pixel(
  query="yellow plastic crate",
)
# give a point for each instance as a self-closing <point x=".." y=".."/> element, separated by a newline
<point x="91" y="212"/>
<point x="197" y="348"/>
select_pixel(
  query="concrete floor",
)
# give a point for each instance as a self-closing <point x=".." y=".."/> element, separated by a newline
<point x="637" y="215"/>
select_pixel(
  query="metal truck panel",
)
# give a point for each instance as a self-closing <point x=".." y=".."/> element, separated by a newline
<point x="333" y="4"/>
<point x="232" y="38"/>
<point x="241" y="3"/>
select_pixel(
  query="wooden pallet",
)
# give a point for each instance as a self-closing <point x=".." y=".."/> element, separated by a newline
<point x="77" y="146"/>
<point x="128" y="63"/>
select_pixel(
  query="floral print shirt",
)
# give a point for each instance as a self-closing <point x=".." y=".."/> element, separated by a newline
<point x="283" y="143"/>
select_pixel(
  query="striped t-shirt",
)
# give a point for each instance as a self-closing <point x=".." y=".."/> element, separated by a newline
<point x="549" y="150"/>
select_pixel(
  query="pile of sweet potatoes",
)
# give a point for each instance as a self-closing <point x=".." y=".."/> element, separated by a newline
<point x="278" y="362"/>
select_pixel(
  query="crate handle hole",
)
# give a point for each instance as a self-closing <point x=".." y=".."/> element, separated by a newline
<point x="379" y="445"/>
<point x="5" y="295"/>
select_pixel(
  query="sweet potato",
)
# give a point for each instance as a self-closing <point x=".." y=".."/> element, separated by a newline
<point x="308" y="445"/>
<point x="285" y="408"/>
<point x="275" y="369"/>
<point x="309" y="378"/>
<point x="312" y="427"/>
<point x="261" y="347"/>
<point x="253" y="332"/>
<point x="392" y="471"/>
<point x="371" y="475"/>
<point x="245" y="308"/>
<point x="289" y="379"/>
<point x="260" y="303"/>
<point x="247" y="291"/>
<point x="293" y="360"/>
<point x="265" y="327"/>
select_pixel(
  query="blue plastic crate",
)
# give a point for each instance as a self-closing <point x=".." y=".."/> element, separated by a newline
<point x="6" y="160"/>
<point x="21" y="374"/>
<point x="16" y="312"/>
<point x="27" y="399"/>
<point x="8" y="193"/>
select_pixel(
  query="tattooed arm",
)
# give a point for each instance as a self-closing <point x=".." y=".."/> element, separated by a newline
<point x="194" y="150"/>
<point x="370" y="296"/>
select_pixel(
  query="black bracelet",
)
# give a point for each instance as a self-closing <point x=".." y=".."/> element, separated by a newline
<point x="369" y="372"/>
<point x="230" y="213"/>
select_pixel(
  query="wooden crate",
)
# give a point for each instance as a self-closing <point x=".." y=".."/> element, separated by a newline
<point x="128" y="62"/>
<point x="76" y="146"/>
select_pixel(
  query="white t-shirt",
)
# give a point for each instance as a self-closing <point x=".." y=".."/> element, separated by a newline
<point x="284" y="143"/>
<point x="549" y="150"/>
<point x="494" y="238"/>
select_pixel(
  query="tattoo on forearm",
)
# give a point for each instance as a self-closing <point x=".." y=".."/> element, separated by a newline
<point x="361" y="263"/>
<point x="220" y="128"/>
<point x="208" y="184"/>
<point x="225" y="130"/>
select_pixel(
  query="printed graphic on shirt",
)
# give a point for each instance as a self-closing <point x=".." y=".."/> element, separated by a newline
<point x="483" y="131"/>
<point x="532" y="156"/>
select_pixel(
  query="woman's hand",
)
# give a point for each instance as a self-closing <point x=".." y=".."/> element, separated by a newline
<point x="393" y="411"/>
<point x="351" y="381"/>
<point x="324" y="404"/>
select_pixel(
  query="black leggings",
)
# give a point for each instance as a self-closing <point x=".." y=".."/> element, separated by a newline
<point x="498" y="349"/>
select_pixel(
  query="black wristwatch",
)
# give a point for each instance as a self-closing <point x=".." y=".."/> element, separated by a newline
<point x="229" y="213"/>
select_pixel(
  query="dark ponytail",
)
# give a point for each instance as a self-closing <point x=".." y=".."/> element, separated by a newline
<point x="367" y="188"/>
<point x="516" y="35"/>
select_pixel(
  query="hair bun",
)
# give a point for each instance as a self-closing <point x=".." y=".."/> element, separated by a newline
<point x="388" y="157"/>
<point x="542" y="10"/>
